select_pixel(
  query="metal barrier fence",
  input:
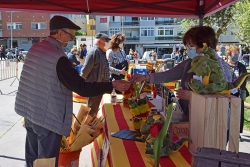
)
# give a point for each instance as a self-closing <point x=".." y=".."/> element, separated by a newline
<point x="8" y="69"/>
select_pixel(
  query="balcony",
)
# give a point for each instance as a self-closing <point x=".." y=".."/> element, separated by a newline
<point x="167" y="22"/>
<point x="168" y="38"/>
<point x="131" y="23"/>
<point x="132" y="39"/>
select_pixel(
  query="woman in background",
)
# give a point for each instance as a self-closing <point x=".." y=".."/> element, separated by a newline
<point x="118" y="63"/>
<point x="237" y="68"/>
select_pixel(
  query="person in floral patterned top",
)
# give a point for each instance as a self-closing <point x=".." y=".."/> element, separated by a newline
<point x="118" y="63"/>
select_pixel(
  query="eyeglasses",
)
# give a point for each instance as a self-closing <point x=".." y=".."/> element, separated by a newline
<point x="71" y="36"/>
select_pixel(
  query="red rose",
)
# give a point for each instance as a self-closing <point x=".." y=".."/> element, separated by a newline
<point x="155" y="129"/>
<point x="128" y="76"/>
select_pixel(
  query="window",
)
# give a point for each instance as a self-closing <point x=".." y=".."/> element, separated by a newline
<point x="169" y="32"/>
<point x="25" y="42"/>
<point x="103" y="20"/>
<point x="15" y="26"/>
<point x="162" y="31"/>
<point x="79" y="16"/>
<point x="18" y="26"/>
<point x="0" y="26"/>
<point x="83" y="39"/>
<point x="105" y="32"/>
<point x="43" y="26"/>
<point x="92" y="27"/>
<point x="149" y="31"/>
<point x="112" y="31"/>
<point x="147" y="18"/>
<point x="38" y="26"/>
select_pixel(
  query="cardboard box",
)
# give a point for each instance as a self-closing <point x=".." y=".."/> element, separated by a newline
<point x="179" y="125"/>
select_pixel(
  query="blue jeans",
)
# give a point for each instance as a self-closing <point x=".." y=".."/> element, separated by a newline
<point x="40" y="143"/>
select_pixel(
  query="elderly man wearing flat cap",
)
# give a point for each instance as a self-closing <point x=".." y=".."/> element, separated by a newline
<point x="96" y="68"/>
<point x="44" y="96"/>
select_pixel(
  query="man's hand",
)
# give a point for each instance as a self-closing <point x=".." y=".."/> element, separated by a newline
<point x="183" y="94"/>
<point x="123" y="72"/>
<point x="139" y="78"/>
<point x="121" y="85"/>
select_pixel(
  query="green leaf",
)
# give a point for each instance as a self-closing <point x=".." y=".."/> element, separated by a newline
<point x="159" y="140"/>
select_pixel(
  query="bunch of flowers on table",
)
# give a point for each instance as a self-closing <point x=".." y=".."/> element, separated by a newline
<point x="85" y="129"/>
<point x="158" y="141"/>
<point x="139" y="106"/>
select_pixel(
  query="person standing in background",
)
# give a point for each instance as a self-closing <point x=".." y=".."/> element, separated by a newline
<point x="118" y="64"/>
<point x="17" y="53"/>
<point x="96" y="69"/>
<point x="72" y="57"/>
<point x="237" y="68"/>
<point x="2" y="52"/>
<point x="83" y="51"/>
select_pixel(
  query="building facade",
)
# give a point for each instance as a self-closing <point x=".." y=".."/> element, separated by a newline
<point x="22" y="29"/>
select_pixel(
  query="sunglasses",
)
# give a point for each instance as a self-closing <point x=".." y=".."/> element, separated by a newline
<point x="71" y="36"/>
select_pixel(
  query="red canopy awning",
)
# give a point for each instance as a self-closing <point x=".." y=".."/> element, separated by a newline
<point x="164" y="8"/>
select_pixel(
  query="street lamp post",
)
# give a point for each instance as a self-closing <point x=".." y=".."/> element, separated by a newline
<point x="92" y="32"/>
<point x="11" y="37"/>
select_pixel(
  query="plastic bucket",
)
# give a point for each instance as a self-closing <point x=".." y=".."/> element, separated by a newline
<point x="70" y="159"/>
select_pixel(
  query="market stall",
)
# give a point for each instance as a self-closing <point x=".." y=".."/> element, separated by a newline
<point x="126" y="152"/>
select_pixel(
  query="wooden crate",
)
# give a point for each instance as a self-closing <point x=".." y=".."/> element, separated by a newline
<point x="208" y="121"/>
<point x="211" y="157"/>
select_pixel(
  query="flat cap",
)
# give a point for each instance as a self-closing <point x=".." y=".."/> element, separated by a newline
<point x="102" y="35"/>
<point x="59" y="22"/>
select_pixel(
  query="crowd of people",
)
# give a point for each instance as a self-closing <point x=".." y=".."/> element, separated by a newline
<point x="8" y="54"/>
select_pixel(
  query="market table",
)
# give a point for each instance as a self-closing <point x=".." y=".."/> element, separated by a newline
<point x="127" y="153"/>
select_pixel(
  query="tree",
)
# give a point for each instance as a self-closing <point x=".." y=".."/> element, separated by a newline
<point x="241" y="21"/>
<point x="80" y="33"/>
<point x="219" y="21"/>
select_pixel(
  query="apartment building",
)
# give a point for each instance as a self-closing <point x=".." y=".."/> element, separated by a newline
<point x="143" y="33"/>
<point x="146" y="33"/>
<point x="23" y="29"/>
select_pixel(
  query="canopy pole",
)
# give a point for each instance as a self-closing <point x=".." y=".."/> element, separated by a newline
<point x="201" y="12"/>
<point x="201" y="21"/>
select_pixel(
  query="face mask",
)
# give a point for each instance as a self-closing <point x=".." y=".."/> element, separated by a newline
<point x="68" y="44"/>
<point x="191" y="52"/>
<point x="234" y="58"/>
<point x="106" y="45"/>
<point x="121" y="45"/>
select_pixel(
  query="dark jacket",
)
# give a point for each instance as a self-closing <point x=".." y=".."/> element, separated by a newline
<point x="72" y="58"/>
<point x="242" y="69"/>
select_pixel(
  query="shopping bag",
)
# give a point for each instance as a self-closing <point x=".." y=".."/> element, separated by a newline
<point x="44" y="162"/>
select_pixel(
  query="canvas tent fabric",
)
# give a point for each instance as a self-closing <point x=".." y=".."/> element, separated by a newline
<point x="159" y="8"/>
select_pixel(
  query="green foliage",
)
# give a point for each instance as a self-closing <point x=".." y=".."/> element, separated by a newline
<point x="242" y="20"/>
<point x="219" y="21"/>
<point x="159" y="140"/>
<point x="80" y="33"/>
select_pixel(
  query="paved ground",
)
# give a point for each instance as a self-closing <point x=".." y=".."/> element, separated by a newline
<point x="12" y="133"/>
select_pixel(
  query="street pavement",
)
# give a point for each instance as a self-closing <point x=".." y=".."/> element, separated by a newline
<point x="12" y="132"/>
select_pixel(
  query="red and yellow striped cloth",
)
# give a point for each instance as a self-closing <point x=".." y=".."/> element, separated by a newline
<point x="127" y="153"/>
